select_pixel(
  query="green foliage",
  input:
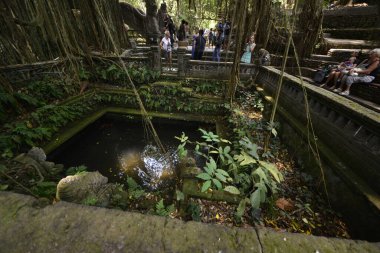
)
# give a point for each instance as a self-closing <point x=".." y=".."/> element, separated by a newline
<point x="194" y="210"/>
<point x="41" y="125"/>
<point x="161" y="210"/>
<point x="3" y="187"/>
<point x="33" y="95"/>
<point x="116" y="74"/>
<point x="90" y="201"/>
<point x="252" y="178"/>
<point x="210" y="87"/>
<point x="134" y="189"/>
<point x="182" y="152"/>
<point x="83" y="74"/>
<point x="45" y="189"/>
<point x="76" y="170"/>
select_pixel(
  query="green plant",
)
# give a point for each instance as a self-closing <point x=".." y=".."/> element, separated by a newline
<point x="45" y="189"/>
<point x="3" y="187"/>
<point x="161" y="210"/>
<point x="83" y="74"/>
<point x="76" y="170"/>
<point x="212" y="175"/>
<point x="194" y="210"/>
<point x="252" y="178"/>
<point x="134" y="189"/>
<point x="90" y="201"/>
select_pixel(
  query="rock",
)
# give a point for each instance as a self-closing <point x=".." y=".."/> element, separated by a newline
<point x="52" y="168"/>
<point x="37" y="154"/>
<point x="31" y="165"/>
<point x="78" y="188"/>
<point x="187" y="168"/>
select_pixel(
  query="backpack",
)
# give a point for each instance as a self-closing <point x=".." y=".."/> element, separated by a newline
<point x="321" y="74"/>
<point x="319" y="77"/>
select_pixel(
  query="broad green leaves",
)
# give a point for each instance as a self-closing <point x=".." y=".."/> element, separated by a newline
<point x="232" y="189"/>
<point x="252" y="178"/>
<point x="206" y="185"/>
<point x="204" y="176"/>
<point x="273" y="170"/>
<point x="213" y="176"/>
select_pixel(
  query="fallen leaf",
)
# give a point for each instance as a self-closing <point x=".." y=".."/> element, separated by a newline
<point x="285" y="204"/>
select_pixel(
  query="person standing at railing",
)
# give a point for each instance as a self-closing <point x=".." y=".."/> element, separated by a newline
<point x="166" y="46"/>
<point x="248" y="51"/>
<point x="218" y="45"/>
<point x="200" y="44"/>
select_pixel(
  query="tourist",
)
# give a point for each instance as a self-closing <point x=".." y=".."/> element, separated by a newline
<point x="249" y="47"/>
<point x="169" y="25"/>
<point x="365" y="73"/>
<point x="226" y="33"/>
<point x="200" y="44"/>
<point x="166" y="46"/>
<point x="211" y="36"/>
<point x="342" y="69"/>
<point x="218" y="44"/>
<point x="181" y="31"/>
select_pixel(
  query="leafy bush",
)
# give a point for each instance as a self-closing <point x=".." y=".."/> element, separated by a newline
<point x="251" y="178"/>
<point x="134" y="189"/>
<point x="45" y="189"/>
<point x="114" y="73"/>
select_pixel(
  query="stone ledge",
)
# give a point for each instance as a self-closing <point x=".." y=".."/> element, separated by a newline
<point x="66" y="227"/>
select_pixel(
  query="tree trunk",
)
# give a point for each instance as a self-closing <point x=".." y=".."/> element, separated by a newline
<point x="261" y="21"/>
<point x="146" y="23"/>
<point x="239" y="19"/>
<point x="309" y="27"/>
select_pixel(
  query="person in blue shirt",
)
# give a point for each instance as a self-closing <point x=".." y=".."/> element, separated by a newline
<point x="200" y="44"/>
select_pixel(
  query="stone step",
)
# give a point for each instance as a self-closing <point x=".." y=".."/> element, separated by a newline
<point x="321" y="57"/>
<point x="353" y="33"/>
<point x="341" y="54"/>
<point x="350" y="17"/>
<point x="351" y="44"/>
<point x="326" y="35"/>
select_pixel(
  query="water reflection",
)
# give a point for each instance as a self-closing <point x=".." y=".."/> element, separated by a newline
<point x="149" y="167"/>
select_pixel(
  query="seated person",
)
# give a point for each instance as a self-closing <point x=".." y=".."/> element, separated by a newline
<point x="366" y="74"/>
<point x="343" y="68"/>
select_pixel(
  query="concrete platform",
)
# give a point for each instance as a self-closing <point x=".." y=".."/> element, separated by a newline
<point x="28" y="225"/>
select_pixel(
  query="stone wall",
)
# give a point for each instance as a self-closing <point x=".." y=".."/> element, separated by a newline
<point x="353" y="23"/>
<point x="29" y="225"/>
<point x="365" y="17"/>
<point x="348" y="137"/>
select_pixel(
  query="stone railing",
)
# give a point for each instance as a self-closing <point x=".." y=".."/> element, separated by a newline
<point x="209" y="69"/>
<point x="19" y="73"/>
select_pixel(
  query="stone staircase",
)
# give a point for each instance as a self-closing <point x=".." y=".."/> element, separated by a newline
<point x="352" y="27"/>
<point x="347" y="30"/>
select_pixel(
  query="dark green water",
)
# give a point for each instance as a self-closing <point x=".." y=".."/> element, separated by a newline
<point x="118" y="145"/>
